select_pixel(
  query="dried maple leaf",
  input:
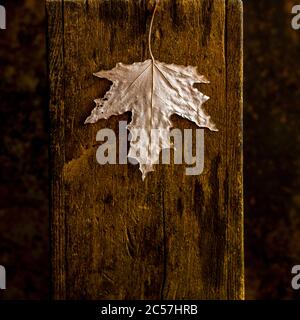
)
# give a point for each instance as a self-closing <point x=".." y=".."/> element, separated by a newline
<point x="152" y="91"/>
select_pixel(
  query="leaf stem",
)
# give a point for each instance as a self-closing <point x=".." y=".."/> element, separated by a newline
<point x="150" y="31"/>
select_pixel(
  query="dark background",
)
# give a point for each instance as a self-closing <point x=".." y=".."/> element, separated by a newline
<point x="271" y="150"/>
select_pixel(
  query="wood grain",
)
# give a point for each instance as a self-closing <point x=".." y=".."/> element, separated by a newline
<point x="172" y="236"/>
<point x="57" y="153"/>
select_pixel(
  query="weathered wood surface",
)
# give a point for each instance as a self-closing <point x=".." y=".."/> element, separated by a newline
<point x="172" y="236"/>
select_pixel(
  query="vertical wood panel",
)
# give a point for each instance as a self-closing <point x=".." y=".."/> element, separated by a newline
<point x="234" y="168"/>
<point x="172" y="236"/>
<point x="57" y="154"/>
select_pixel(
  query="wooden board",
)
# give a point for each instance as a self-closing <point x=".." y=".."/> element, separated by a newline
<point x="171" y="236"/>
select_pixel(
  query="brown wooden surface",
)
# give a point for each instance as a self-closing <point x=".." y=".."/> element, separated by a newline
<point x="172" y="236"/>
